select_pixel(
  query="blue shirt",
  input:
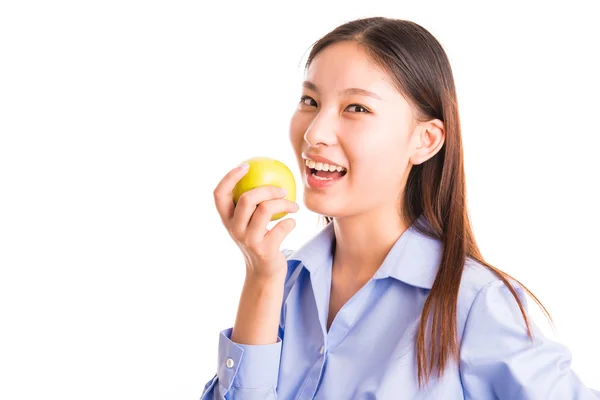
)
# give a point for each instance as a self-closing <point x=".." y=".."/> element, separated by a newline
<point x="369" y="351"/>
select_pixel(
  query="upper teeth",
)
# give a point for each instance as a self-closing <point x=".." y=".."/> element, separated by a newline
<point x="323" y="166"/>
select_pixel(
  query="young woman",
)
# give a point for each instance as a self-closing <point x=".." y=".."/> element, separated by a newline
<point x="392" y="299"/>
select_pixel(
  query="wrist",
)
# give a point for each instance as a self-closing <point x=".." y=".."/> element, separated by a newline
<point x="265" y="280"/>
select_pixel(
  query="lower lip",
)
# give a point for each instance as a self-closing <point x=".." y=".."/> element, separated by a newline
<point x="316" y="183"/>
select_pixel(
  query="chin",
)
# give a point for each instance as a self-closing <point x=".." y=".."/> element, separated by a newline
<point x="321" y="206"/>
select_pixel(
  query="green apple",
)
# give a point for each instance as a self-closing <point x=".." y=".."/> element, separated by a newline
<point x="265" y="171"/>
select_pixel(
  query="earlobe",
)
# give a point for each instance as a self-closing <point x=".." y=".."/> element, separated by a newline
<point x="417" y="156"/>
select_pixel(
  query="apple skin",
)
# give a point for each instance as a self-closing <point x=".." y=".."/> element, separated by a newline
<point x="265" y="171"/>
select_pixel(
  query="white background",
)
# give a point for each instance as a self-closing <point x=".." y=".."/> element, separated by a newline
<point x="118" y="118"/>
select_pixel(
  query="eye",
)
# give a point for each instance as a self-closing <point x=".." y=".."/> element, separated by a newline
<point x="358" y="108"/>
<point x="306" y="101"/>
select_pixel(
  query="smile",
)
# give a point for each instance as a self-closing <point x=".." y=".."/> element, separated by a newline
<point x="321" y="175"/>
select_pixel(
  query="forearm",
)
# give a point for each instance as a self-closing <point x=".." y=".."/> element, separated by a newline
<point x="259" y="309"/>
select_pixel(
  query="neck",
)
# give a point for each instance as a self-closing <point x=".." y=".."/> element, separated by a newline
<point x="363" y="241"/>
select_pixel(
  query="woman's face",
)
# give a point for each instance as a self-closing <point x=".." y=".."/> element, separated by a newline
<point x="351" y="114"/>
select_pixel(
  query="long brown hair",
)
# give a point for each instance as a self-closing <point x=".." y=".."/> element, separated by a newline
<point x="436" y="188"/>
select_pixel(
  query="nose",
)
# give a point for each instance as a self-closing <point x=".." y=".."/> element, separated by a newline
<point x="321" y="131"/>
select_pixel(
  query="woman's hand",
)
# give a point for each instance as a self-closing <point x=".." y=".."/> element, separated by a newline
<point x="247" y="223"/>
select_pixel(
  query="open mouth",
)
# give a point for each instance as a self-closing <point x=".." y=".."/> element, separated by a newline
<point x="326" y="175"/>
<point x="324" y="170"/>
<point x="322" y="175"/>
<point x="319" y="179"/>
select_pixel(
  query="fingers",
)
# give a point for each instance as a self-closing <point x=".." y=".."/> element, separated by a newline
<point x="276" y="235"/>
<point x="247" y="221"/>
<point x="223" y="192"/>
<point x="246" y="206"/>
<point x="257" y="228"/>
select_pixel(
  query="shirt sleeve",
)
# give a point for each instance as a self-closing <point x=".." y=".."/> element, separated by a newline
<point x="499" y="361"/>
<point x="245" y="372"/>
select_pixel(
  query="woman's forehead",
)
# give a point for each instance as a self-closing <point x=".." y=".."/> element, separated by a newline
<point x="346" y="65"/>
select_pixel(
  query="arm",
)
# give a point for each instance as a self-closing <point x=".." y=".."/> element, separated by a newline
<point x="257" y="319"/>
<point x="248" y="364"/>
<point x="254" y="369"/>
<point x="249" y="354"/>
<point x="499" y="361"/>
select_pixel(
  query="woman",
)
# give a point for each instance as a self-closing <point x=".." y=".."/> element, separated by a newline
<point x="392" y="299"/>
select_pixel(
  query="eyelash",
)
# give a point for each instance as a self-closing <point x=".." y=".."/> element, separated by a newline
<point x="366" y="110"/>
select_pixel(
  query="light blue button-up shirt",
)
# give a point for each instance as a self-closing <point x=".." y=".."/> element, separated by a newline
<point x="369" y="351"/>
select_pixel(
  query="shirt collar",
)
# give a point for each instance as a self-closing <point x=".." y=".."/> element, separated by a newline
<point x="414" y="258"/>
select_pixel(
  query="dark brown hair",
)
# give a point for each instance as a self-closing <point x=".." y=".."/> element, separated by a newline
<point x="436" y="188"/>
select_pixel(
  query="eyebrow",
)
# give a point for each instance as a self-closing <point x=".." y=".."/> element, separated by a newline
<point x="361" y="92"/>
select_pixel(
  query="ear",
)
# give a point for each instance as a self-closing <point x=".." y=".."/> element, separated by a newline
<point x="429" y="139"/>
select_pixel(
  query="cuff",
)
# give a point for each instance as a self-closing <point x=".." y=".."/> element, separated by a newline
<point x="247" y="366"/>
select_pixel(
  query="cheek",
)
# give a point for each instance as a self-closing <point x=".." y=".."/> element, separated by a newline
<point x="297" y="129"/>
<point x="298" y="126"/>
<point x="377" y="158"/>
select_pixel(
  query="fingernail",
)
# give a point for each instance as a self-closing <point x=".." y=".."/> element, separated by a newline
<point x="244" y="166"/>
<point x="283" y="191"/>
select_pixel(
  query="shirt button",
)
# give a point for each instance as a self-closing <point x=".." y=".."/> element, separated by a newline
<point x="322" y="350"/>
<point x="229" y="363"/>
